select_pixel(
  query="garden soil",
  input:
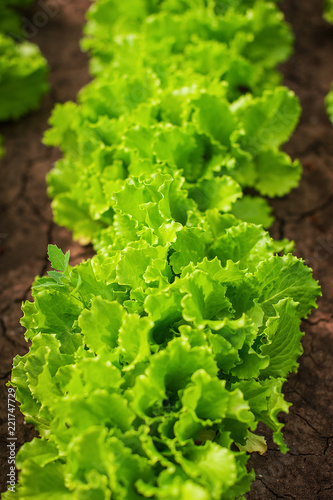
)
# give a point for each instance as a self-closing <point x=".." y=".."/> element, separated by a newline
<point x="306" y="216"/>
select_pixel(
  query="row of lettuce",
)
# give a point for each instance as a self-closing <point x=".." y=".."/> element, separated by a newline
<point x="23" y="69"/>
<point x="152" y="363"/>
<point x="183" y="87"/>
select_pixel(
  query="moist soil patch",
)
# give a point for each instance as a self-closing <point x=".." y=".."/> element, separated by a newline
<point x="305" y="216"/>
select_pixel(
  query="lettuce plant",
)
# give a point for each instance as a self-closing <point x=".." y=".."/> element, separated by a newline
<point x="152" y="364"/>
<point x="181" y="85"/>
<point x="238" y="42"/>
<point x="23" y="78"/>
<point x="23" y="69"/>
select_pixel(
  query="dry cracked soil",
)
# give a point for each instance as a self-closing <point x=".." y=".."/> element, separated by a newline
<point x="26" y="228"/>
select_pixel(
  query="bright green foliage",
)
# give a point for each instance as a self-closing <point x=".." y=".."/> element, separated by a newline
<point x="329" y="104"/>
<point x="253" y="209"/>
<point x="23" y="69"/>
<point x="207" y="38"/>
<point x="23" y="73"/>
<point x="180" y="86"/>
<point x="328" y="10"/>
<point x="149" y="362"/>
